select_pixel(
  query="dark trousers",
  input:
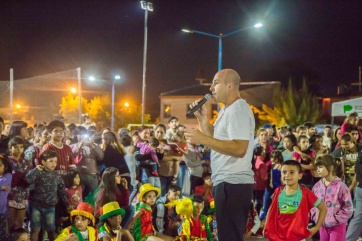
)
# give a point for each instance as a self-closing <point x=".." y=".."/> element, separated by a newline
<point x="232" y="202"/>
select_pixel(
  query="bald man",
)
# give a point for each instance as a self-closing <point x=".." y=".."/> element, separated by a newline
<point x="230" y="139"/>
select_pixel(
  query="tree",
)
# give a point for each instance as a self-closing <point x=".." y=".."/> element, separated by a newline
<point x="290" y="107"/>
<point x="100" y="111"/>
<point x="70" y="106"/>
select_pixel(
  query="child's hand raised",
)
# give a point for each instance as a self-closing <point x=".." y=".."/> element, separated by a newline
<point x="40" y="167"/>
<point x="124" y="183"/>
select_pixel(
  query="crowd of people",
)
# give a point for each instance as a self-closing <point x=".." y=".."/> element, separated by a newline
<point x="69" y="182"/>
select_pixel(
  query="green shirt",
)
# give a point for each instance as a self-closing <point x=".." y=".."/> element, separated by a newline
<point x="289" y="204"/>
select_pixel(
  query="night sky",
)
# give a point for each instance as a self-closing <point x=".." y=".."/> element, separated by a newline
<point x="321" y="39"/>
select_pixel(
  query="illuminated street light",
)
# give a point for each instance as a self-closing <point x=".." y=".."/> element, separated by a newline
<point x="220" y="37"/>
<point x="18" y="106"/>
<point x="73" y="90"/>
<point x="258" y="25"/>
<point x="126" y="104"/>
<point x="116" y="77"/>
<point x="147" y="6"/>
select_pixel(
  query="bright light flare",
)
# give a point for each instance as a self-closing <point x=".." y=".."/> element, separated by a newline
<point x="18" y="106"/>
<point x="186" y="30"/>
<point x="258" y="25"/>
<point x="126" y="104"/>
<point x="73" y="90"/>
<point x="117" y="77"/>
<point x="92" y="78"/>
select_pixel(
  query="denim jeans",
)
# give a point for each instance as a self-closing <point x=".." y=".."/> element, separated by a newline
<point x="181" y="176"/>
<point x="155" y="181"/>
<point x="355" y="226"/>
<point x="41" y="215"/>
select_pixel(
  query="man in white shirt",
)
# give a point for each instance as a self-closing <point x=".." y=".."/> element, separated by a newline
<point x="231" y="142"/>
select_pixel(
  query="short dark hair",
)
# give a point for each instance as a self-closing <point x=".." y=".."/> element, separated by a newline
<point x="198" y="198"/>
<point x="292" y="138"/>
<point x="258" y="150"/>
<point x="301" y="137"/>
<point x="346" y="137"/>
<point x="308" y="125"/>
<point x="174" y="188"/>
<point x="206" y="174"/>
<point x="172" y="118"/>
<point x="293" y="163"/>
<point x="351" y="128"/>
<point x="54" y="124"/>
<point x="71" y="126"/>
<point x="154" y="142"/>
<point x="126" y="140"/>
<point x="48" y="154"/>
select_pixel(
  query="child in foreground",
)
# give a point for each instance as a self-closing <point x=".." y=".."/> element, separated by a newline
<point x="49" y="188"/>
<point x="82" y="227"/>
<point x="143" y="229"/>
<point x="335" y="194"/>
<point x="288" y="215"/>
<point x="109" y="227"/>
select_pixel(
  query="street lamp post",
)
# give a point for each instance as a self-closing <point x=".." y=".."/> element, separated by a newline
<point x="147" y="6"/>
<point x="220" y="37"/>
<point x="117" y="77"/>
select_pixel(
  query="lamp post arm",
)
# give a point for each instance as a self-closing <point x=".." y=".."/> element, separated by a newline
<point x="234" y="32"/>
<point x="203" y="33"/>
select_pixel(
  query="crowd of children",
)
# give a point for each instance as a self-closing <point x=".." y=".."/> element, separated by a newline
<point x="84" y="190"/>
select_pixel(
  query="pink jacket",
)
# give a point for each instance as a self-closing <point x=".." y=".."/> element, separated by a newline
<point x="338" y="200"/>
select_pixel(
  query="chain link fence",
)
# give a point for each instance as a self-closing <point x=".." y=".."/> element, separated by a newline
<point x="38" y="99"/>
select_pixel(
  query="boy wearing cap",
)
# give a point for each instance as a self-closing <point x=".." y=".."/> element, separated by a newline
<point x="83" y="222"/>
<point x="143" y="229"/>
<point x="109" y="228"/>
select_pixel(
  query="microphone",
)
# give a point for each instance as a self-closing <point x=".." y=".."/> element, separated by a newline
<point x="198" y="106"/>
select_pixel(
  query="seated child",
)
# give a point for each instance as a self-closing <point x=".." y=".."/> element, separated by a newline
<point x="82" y="225"/>
<point x="150" y="148"/>
<point x="143" y="229"/>
<point x="109" y="227"/>
<point x="205" y="190"/>
<point x="288" y="215"/>
<point x="167" y="220"/>
<point x="48" y="189"/>
<point x="195" y="225"/>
